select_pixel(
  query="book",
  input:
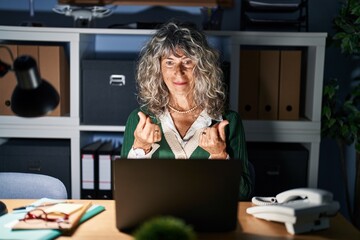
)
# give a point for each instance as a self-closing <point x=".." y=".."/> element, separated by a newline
<point x="8" y="220"/>
<point x="65" y="216"/>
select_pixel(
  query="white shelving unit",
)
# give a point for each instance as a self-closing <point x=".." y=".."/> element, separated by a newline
<point x="305" y="131"/>
<point x="87" y="43"/>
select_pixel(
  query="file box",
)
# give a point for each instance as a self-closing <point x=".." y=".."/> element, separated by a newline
<point x="108" y="91"/>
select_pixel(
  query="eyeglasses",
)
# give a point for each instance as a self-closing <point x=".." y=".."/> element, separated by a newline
<point x="39" y="216"/>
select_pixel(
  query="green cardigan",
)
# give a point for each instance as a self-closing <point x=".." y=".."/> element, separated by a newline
<point x="235" y="142"/>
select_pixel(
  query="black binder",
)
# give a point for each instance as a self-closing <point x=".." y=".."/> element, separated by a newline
<point x="117" y="152"/>
<point x="104" y="183"/>
<point x="89" y="170"/>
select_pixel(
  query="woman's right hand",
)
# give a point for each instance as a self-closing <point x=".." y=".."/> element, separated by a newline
<point x="146" y="133"/>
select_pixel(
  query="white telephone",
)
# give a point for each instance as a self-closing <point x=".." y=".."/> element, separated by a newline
<point x="301" y="209"/>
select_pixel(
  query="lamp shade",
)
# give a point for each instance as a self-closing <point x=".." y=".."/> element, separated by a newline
<point x="33" y="96"/>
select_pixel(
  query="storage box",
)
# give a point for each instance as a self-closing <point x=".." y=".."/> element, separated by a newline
<point x="278" y="167"/>
<point x="53" y="67"/>
<point x="108" y="91"/>
<point x="44" y="156"/>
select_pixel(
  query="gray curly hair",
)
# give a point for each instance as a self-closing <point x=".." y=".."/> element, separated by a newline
<point x="208" y="92"/>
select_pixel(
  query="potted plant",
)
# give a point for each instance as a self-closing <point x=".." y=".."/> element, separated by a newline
<point x="341" y="116"/>
<point x="164" y="228"/>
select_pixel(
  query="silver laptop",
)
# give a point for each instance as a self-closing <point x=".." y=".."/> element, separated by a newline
<point x="203" y="193"/>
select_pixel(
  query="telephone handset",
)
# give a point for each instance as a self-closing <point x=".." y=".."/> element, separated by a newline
<point x="301" y="209"/>
<point x="314" y="195"/>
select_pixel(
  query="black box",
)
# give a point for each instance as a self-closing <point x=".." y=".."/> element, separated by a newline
<point x="108" y="91"/>
<point x="44" y="156"/>
<point x="278" y="167"/>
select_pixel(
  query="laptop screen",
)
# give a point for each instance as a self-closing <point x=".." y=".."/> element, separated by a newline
<point x="202" y="192"/>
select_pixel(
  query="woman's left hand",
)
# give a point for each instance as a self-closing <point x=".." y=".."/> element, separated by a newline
<point x="213" y="140"/>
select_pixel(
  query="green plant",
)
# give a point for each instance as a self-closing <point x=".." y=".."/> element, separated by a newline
<point x="347" y="26"/>
<point x="164" y="228"/>
<point x="341" y="116"/>
<point x="341" y="121"/>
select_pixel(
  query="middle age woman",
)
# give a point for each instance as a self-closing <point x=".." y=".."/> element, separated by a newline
<point x="182" y="99"/>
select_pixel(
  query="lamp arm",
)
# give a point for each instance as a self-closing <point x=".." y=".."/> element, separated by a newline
<point x="9" y="51"/>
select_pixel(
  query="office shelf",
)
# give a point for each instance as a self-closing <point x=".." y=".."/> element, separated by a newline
<point x="99" y="43"/>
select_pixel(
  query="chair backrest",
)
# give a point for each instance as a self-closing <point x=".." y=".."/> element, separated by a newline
<point x="17" y="185"/>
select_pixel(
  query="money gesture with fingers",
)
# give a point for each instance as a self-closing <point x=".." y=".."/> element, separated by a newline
<point x="146" y="133"/>
<point x="213" y="140"/>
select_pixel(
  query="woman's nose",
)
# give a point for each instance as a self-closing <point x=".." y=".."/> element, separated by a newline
<point x="179" y="69"/>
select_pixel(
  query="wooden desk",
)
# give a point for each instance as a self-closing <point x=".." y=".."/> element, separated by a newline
<point x="103" y="226"/>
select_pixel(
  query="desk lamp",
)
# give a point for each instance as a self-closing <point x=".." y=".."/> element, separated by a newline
<point x="32" y="96"/>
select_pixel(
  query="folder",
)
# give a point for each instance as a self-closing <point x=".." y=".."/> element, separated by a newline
<point x="30" y="50"/>
<point x="89" y="169"/>
<point x="269" y="84"/>
<point x="10" y="218"/>
<point x="249" y="84"/>
<point x="74" y="211"/>
<point x="116" y="152"/>
<point x="104" y="158"/>
<point x="54" y="68"/>
<point x="289" y="89"/>
<point x="7" y="82"/>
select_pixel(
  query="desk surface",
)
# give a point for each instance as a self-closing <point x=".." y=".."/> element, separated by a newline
<point x="103" y="226"/>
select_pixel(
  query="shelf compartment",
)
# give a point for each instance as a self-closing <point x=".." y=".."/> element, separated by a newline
<point x="43" y="156"/>
<point x="282" y="131"/>
<point x="53" y="66"/>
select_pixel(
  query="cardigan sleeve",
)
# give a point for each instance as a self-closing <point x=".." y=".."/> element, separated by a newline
<point x="130" y="127"/>
<point x="236" y="148"/>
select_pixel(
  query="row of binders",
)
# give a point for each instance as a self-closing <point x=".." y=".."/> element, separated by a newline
<point x="96" y="169"/>
<point x="270" y="83"/>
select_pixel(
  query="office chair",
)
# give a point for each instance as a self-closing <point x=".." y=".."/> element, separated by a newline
<point x="30" y="185"/>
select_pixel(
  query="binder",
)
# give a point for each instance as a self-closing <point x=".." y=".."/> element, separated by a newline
<point x="249" y="84"/>
<point x="289" y="89"/>
<point x="269" y="84"/>
<point x="54" y="68"/>
<point x="116" y="152"/>
<point x="31" y="50"/>
<point x="7" y="82"/>
<point x="74" y="211"/>
<point x="104" y="183"/>
<point x="89" y="169"/>
<point x="11" y="217"/>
